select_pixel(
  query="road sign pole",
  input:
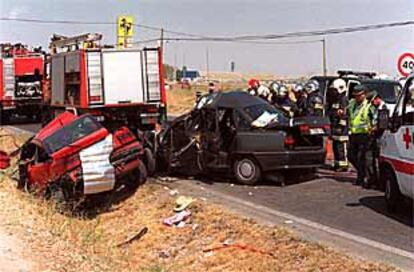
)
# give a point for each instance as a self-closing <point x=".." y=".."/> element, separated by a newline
<point x="325" y="69"/>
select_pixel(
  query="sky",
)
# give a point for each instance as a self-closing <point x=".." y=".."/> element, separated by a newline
<point x="376" y="50"/>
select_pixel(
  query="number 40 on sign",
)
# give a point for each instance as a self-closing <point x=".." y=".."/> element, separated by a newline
<point x="405" y="64"/>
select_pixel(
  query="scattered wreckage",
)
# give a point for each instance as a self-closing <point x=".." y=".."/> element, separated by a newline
<point x="242" y="135"/>
<point x="75" y="156"/>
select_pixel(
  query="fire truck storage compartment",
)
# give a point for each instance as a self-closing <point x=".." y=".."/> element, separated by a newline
<point x="113" y="77"/>
<point x="58" y="79"/>
<point x="122" y="73"/>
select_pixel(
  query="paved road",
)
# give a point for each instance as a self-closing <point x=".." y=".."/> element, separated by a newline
<point x="21" y="124"/>
<point x="330" y="200"/>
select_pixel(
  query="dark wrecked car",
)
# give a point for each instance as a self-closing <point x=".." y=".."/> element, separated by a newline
<point x="242" y="135"/>
<point x="76" y="156"/>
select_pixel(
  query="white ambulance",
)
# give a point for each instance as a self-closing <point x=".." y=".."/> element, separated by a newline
<point x="397" y="148"/>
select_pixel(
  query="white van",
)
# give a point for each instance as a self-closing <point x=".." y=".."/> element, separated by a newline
<point x="397" y="149"/>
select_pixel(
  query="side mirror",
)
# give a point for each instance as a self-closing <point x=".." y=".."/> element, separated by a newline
<point x="383" y="119"/>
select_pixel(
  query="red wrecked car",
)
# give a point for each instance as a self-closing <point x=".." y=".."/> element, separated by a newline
<point x="76" y="156"/>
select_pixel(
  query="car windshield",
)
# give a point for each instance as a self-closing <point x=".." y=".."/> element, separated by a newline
<point x="71" y="133"/>
<point x="264" y="114"/>
<point x="388" y="91"/>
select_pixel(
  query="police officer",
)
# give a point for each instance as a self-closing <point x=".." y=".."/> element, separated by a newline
<point x="360" y="126"/>
<point x="282" y="100"/>
<point x="314" y="101"/>
<point x="300" y="96"/>
<point x="336" y="109"/>
<point x="373" y="152"/>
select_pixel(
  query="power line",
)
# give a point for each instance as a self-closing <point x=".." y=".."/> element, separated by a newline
<point x="74" y="22"/>
<point x="197" y="37"/>
<point x="244" y="42"/>
<point x="300" y="34"/>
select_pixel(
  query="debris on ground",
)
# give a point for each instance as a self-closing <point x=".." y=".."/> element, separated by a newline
<point x="135" y="237"/>
<point x="182" y="203"/>
<point x="177" y="219"/>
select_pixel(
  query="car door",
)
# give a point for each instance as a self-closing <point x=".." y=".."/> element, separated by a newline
<point x="210" y="136"/>
<point x="401" y="140"/>
<point x="39" y="169"/>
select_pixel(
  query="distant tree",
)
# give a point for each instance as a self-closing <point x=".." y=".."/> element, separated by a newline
<point x="169" y="72"/>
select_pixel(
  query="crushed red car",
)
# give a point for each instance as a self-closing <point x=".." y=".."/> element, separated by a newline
<point x="76" y="156"/>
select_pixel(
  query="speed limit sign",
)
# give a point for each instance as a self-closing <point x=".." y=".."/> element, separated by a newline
<point x="406" y="64"/>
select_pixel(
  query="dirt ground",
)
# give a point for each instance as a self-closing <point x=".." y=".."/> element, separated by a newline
<point x="213" y="239"/>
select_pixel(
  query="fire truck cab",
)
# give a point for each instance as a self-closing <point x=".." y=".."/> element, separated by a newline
<point x="21" y="77"/>
<point x="397" y="148"/>
<point x="120" y="86"/>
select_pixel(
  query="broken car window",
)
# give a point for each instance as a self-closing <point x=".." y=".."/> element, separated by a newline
<point x="71" y="133"/>
<point x="263" y="114"/>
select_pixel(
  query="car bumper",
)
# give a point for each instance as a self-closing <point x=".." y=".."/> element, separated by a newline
<point x="291" y="159"/>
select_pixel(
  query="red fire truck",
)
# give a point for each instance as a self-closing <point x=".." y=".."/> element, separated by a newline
<point x="21" y="74"/>
<point x="120" y="86"/>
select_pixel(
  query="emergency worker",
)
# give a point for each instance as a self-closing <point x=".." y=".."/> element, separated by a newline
<point x="211" y="88"/>
<point x="263" y="92"/>
<point x="253" y="86"/>
<point x="283" y="101"/>
<point x="300" y="96"/>
<point x="314" y="101"/>
<point x="372" y="155"/>
<point x="360" y="126"/>
<point x="337" y="102"/>
<point x="274" y="89"/>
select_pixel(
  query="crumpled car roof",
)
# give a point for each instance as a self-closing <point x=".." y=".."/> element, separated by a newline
<point x="235" y="99"/>
<point x="59" y="122"/>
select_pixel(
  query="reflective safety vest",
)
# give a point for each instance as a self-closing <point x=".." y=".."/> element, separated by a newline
<point x="359" y="122"/>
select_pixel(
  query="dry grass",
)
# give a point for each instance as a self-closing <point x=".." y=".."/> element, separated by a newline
<point x="181" y="100"/>
<point x="60" y="242"/>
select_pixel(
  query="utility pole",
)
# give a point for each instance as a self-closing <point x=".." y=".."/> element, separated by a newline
<point x="325" y="69"/>
<point x="207" y="64"/>
<point x="162" y="41"/>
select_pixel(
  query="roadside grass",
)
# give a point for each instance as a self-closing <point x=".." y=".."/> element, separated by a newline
<point x="181" y="100"/>
<point x="90" y="241"/>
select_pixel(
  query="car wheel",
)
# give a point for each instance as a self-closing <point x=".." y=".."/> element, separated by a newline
<point x="149" y="160"/>
<point x="143" y="174"/>
<point x="392" y="192"/>
<point x="247" y="171"/>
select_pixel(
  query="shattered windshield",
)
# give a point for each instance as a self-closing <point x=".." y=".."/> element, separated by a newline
<point x="264" y="114"/>
<point x="205" y="100"/>
<point x="69" y="134"/>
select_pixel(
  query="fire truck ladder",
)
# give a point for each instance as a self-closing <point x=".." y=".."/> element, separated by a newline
<point x="9" y="79"/>
<point x="61" y="43"/>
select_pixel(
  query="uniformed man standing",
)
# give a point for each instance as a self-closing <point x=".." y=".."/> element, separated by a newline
<point x="372" y="155"/>
<point x="314" y="101"/>
<point x="360" y="126"/>
<point x="337" y="102"/>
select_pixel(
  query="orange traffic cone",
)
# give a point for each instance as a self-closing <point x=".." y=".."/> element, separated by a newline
<point x="329" y="150"/>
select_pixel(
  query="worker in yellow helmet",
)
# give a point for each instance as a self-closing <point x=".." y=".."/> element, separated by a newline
<point x="361" y="118"/>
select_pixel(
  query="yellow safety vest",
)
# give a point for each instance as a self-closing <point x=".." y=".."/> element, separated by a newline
<point x="359" y="120"/>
